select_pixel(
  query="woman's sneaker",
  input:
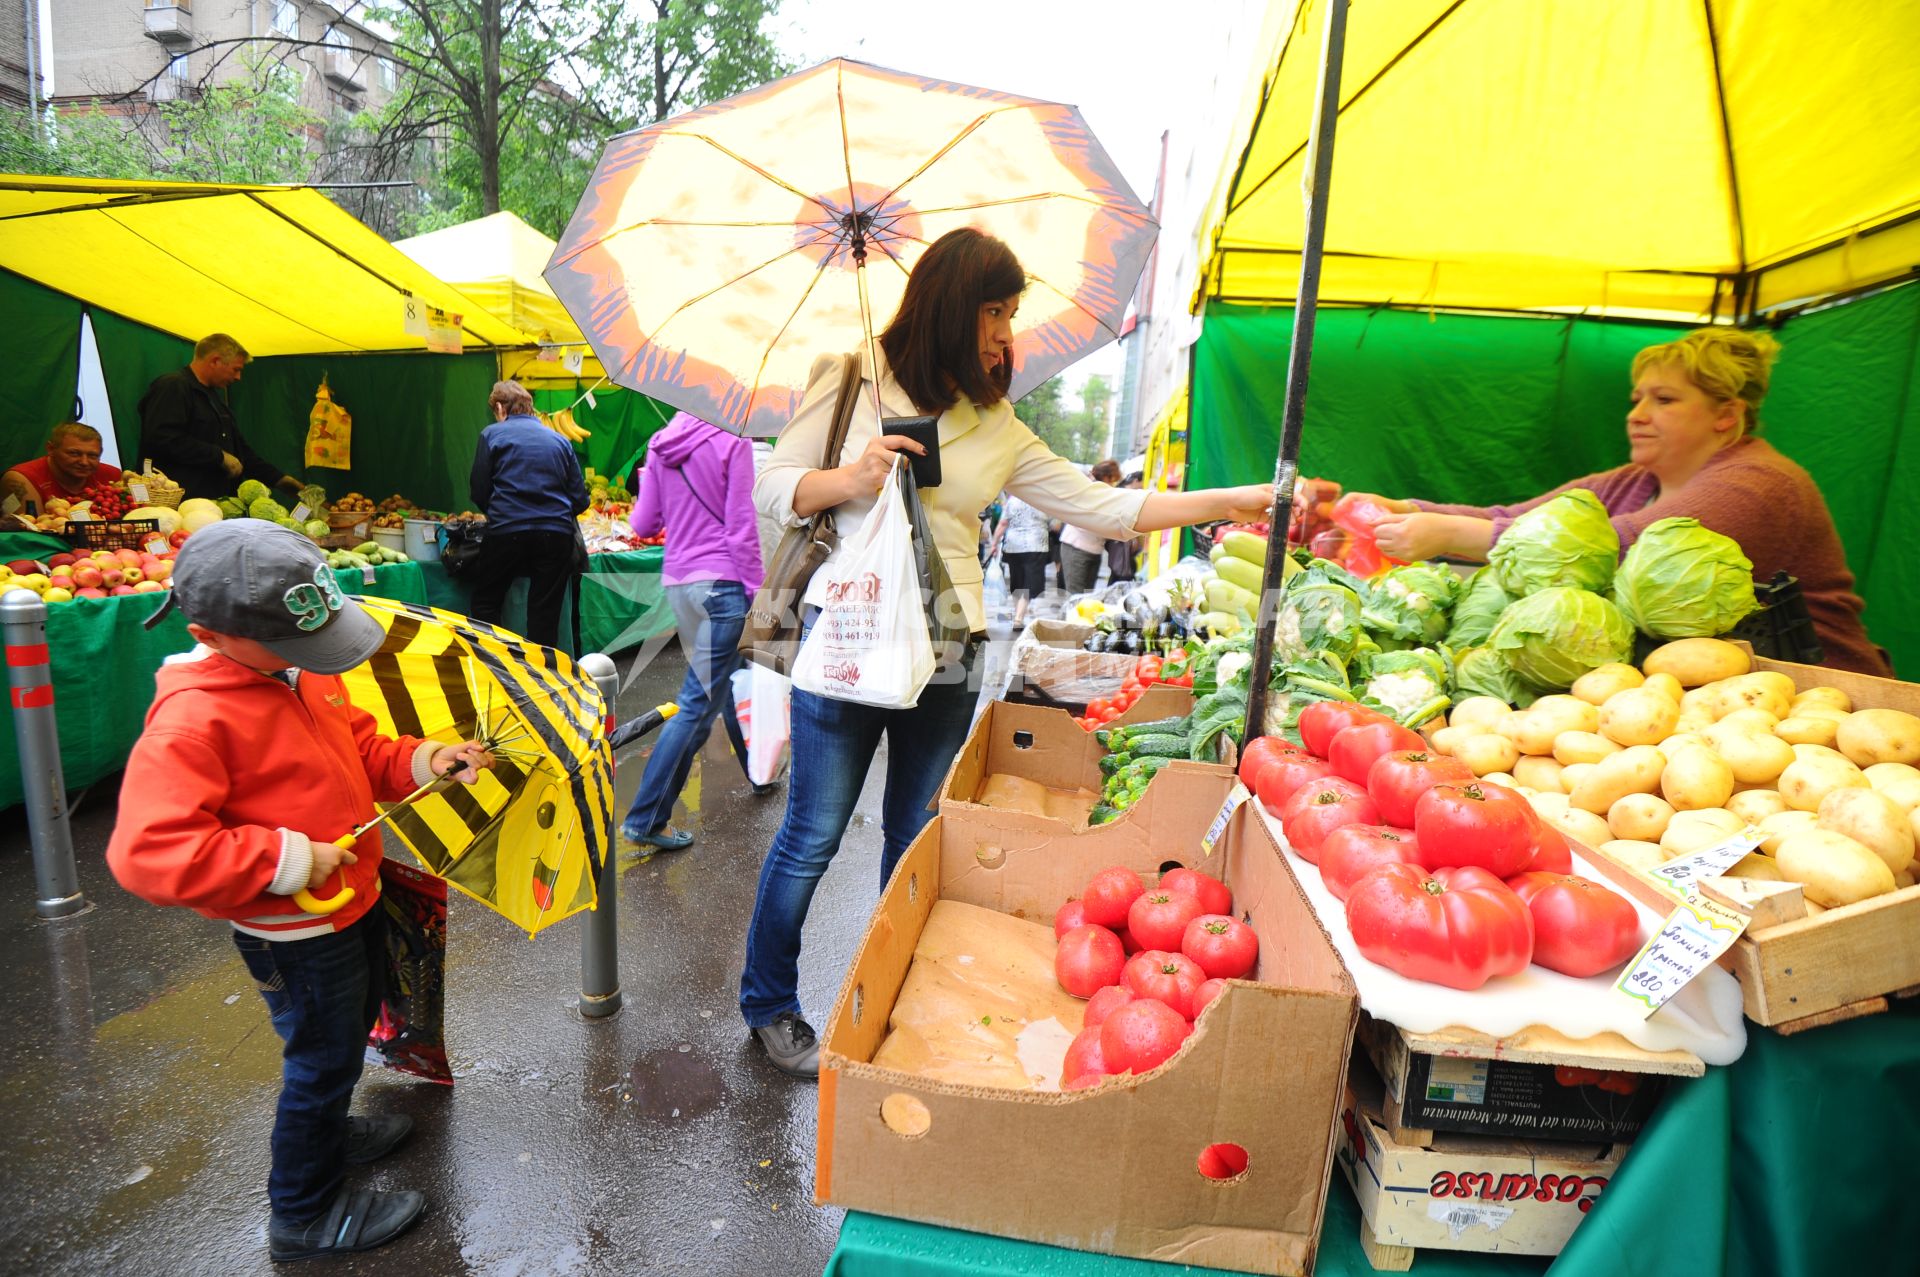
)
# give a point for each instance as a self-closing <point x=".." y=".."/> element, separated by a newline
<point x="790" y="1045"/>
<point x="359" y="1219"/>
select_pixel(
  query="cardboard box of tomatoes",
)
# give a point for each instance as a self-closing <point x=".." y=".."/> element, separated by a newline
<point x="1118" y="1169"/>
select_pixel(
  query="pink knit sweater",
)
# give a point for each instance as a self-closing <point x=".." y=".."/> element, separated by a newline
<point x="1759" y="498"/>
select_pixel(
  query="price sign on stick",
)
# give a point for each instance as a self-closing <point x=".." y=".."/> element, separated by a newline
<point x="1235" y="796"/>
<point x="138" y="491"/>
<point x="1680" y="873"/>
<point x="1692" y="939"/>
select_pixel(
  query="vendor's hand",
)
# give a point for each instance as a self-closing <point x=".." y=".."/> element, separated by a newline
<point x="231" y="464"/>
<point x="869" y="471"/>
<point x="1413" y="536"/>
<point x="327" y="859"/>
<point x="469" y="756"/>
<point x="288" y="482"/>
<point x="1252" y="503"/>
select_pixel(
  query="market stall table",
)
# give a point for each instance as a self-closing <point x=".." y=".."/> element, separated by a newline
<point x="1785" y="1162"/>
<point x="623" y="601"/>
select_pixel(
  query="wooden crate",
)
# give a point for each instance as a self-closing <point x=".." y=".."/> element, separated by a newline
<point x="1484" y="1194"/>
<point x="1517" y="1082"/>
<point x="1842" y="960"/>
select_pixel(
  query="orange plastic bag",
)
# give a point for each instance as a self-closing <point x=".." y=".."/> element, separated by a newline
<point x="329" y="432"/>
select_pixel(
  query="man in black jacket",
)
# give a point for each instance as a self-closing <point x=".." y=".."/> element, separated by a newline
<point x="187" y="428"/>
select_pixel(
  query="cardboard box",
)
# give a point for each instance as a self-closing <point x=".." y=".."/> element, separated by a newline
<point x="1470" y="1193"/>
<point x="1049" y="658"/>
<point x="1047" y="747"/>
<point x="1112" y="1169"/>
<point x="1836" y="958"/>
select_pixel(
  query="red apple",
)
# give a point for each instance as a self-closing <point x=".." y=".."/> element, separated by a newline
<point x="179" y="535"/>
<point x="148" y="587"/>
<point x="161" y="570"/>
<point x="129" y="557"/>
<point x="89" y="592"/>
<point x="132" y="576"/>
<point x="121" y="589"/>
<point x="87" y="578"/>
<point x="113" y="577"/>
<point x="61" y="560"/>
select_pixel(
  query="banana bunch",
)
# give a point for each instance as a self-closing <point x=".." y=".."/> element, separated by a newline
<point x="563" y="423"/>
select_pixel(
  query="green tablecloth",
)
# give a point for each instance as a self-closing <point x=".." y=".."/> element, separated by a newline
<point x="622" y="600"/>
<point x="1789" y="1162"/>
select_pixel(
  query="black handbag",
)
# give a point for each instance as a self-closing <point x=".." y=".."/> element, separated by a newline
<point x="946" y="617"/>
<point x="460" y="546"/>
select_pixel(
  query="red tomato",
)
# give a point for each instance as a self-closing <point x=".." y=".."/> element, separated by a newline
<point x="1397" y="780"/>
<point x="1172" y="978"/>
<point x="1148" y="669"/>
<point x="1321" y="721"/>
<point x="1208" y="890"/>
<point x="1128" y="943"/>
<point x="1207" y="992"/>
<point x="1487" y="826"/>
<point x="1457" y="927"/>
<point x="1580" y="928"/>
<point x="1351" y="852"/>
<point x="1068" y="916"/>
<point x="1354" y="750"/>
<point x="1225" y="948"/>
<point x="1082" y="1082"/>
<point x="1259" y="752"/>
<point x="1318" y="809"/>
<point x="1140" y="966"/>
<point x="1141" y="1035"/>
<point x="1159" y="918"/>
<point x="1105" y="1003"/>
<point x="1551" y="851"/>
<point x="1110" y="894"/>
<point x="1222" y="1161"/>
<point x="1084" y="1056"/>
<point x="1283" y="778"/>
<point x="1087" y="960"/>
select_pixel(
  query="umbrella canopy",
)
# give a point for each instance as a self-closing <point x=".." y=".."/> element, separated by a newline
<point x="529" y="837"/>
<point x="716" y="254"/>
<point x="1685" y="159"/>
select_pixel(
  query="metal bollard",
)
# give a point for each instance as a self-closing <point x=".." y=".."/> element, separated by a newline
<point x="600" y="935"/>
<point x="23" y="617"/>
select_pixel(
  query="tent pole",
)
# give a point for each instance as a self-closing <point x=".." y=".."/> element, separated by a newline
<point x="1326" y="114"/>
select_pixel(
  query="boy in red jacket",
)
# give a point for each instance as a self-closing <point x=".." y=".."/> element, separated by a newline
<point x="252" y="762"/>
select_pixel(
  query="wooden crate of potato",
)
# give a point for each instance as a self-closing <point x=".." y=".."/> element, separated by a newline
<point x="1647" y="764"/>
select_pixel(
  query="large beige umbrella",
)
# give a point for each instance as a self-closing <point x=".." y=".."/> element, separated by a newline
<point x="715" y="254"/>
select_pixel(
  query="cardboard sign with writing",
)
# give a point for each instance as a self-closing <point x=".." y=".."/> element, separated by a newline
<point x="574" y="360"/>
<point x="1680" y="873"/>
<point x="443" y="331"/>
<point x="413" y="316"/>
<point x="1692" y="939"/>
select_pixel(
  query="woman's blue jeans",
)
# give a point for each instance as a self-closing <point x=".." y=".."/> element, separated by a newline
<point x="323" y="994"/>
<point x="711" y="616"/>
<point x="833" y="746"/>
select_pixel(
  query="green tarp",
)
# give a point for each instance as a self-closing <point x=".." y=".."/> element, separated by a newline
<point x="1487" y="409"/>
<point x="43" y="339"/>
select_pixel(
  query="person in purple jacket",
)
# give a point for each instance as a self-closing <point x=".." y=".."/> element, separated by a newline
<point x="699" y="482"/>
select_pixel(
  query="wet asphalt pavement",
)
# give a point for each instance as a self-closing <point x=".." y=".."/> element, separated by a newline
<point x="138" y="1070"/>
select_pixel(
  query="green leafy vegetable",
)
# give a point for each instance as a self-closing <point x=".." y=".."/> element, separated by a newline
<point x="1567" y="542"/>
<point x="252" y="490"/>
<point x="1480" y="605"/>
<point x="1553" y="637"/>
<point x="1411" y="685"/>
<point x="1680" y="580"/>
<point x="1318" y="614"/>
<point x="1411" y="603"/>
<point x="1481" y="672"/>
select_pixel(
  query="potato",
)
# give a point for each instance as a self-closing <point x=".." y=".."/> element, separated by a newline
<point x="1544" y="774"/>
<point x="1913" y="818"/>
<point x="1880" y="736"/>
<point x="1811" y="779"/>
<point x="1749" y="721"/>
<point x="1880" y="774"/>
<point x="1678" y="739"/>
<point x="1634" y="854"/>
<point x="1478" y="714"/>
<point x="1582" y="747"/>
<point x="1820" y="751"/>
<point x="1546" y="805"/>
<point x="1691" y="831"/>
<point x="1903" y="879"/>
<point x="1640" y="817"/>
<point x="1631" y="771"/>
<point x="1530" y="733"/>
<point x="1871" y="820"/>
<point x="1756" y="805"/>
<point x="1638" y="716"/>
<point x="1753" y="865"/>
<point x="1501" y="778"/>
<point x="1447" y="739"/>
<point x="1801" y="730"/>
<point x="1814" y="709"/>
<point x="1897" y="781"/>
<point x="1834" y="869"/>
<point x="1665" y="684"/>
<point x="1753" y="758"/>
<point x="1775" y="828"/>
<point x="1824" y="696"/>
<point x="1766" y="691"/>
<point x="1695" y="661"/>
<point x="1700" y="702"/>
<point x="1600" y="684"/>
<point x="1695" y="779"/>
<point x="1486" y="752"/>
<point x="1573" y="773"/>
<point x="1583" y="826"/>
<point x="1567" y="713"/>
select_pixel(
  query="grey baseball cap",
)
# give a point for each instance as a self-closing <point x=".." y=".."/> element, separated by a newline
<point x="260" y="581"/>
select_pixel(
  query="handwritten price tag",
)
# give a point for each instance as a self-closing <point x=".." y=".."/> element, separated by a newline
<point x="158" y="545"/>
<point x="1680" y="873"/>
<point x="366" y="576"/>
<point x="299" y="513"/>
<point x="138" y="491"/>
<point x="1692" y="939"/>
<point x="1237" y="795"/>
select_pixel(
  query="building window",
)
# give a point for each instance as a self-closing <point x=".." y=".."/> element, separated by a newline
<point x="179" y="74"/>
<point x="185" y="6"/>
<point x="389" y="75"/>
<point x="335" y="38"/>
<point x="286" y="18"/>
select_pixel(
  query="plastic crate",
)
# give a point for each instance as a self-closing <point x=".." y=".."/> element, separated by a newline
<point x="111" y="534"/>
<point x="1782" y="629"/>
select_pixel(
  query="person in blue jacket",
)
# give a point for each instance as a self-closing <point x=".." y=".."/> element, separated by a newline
<point x="527" y="481"/>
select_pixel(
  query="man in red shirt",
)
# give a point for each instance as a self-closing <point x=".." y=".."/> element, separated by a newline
<point x="72" y="462"/>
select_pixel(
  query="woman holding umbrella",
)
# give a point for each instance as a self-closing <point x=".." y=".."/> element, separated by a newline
<point x="946" y="353"/>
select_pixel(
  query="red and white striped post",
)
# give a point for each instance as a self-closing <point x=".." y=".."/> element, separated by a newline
<point x="23" y="617"/>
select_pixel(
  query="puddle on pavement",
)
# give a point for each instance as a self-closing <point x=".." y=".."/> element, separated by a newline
<point x="674" y="1084"/>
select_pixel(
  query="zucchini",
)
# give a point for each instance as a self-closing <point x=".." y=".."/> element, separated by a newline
<point x="1164" y="745"/>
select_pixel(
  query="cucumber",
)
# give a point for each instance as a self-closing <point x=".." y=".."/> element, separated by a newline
<point x="1101" y="814"/>
<point x="1112" y="763"/>
<point x="1177" y="726"/>
<point x="1163" y="745"/>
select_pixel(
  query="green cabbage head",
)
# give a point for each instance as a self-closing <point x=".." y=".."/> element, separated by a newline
<point x="1479" y="607"/>
<point x="1553" y="637"/>
<point x="1680" y="580"/>
<point x="1568" y="541"/>
<point x="1481" y="672"/>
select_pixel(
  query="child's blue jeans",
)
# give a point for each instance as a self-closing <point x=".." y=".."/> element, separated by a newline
<point x="324" y="994"/>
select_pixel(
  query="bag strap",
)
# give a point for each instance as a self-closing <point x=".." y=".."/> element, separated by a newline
<point x="842" y="410"/>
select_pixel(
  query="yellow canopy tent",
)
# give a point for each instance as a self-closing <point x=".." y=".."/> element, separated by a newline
<point x="1686" y="159"/>
<point x="497" y="260"/>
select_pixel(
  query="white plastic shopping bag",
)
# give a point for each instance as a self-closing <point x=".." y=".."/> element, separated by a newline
<point x="760" y="698"/>
<point x="870" y="643"/>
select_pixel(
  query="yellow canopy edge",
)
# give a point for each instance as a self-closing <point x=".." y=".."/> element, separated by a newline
<point x="284" y="269"/>
<point x="1687" y="159"/>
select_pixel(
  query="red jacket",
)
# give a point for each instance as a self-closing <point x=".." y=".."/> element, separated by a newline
<point x="233" y="776"/>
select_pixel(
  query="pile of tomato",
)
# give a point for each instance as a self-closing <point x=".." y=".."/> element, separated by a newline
<point x="1173" y="671"/>
<point x="1148" y="961"/>
<point x="1446" y="878"/>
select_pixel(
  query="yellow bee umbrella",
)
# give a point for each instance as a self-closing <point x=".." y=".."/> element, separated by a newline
<point x="716" y="254"/>
<point x="529" y="837"/>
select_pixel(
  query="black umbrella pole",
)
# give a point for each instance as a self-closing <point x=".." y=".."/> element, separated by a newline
<point x="1326" y="113"/>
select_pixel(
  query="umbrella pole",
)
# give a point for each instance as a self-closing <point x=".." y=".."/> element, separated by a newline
<point x="600" y="994"/>
<point x="1326" y="113"/>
